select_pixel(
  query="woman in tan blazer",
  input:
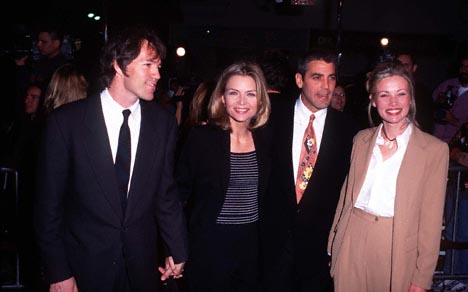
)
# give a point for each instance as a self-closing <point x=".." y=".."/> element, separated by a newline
<point x="387" y="227"/>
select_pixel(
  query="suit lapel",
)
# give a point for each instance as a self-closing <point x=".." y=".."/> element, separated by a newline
<point x="413" y="162"/>
<point x="285" y="130"/>
<point x="97" y="145"/>
<point x="225" y="158"/>
<point x="149" y="142"/>
<point x="362" y="159"/>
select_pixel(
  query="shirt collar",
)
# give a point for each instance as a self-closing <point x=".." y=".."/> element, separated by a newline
<point x="305" y="113"/>
<point x="115" y="106"/>
<point x="402" y="139"/>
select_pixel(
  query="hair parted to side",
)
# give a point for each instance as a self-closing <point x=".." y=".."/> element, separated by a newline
<point x="316" y="54"/>
<point x="384" y="70"/>
<point x="124" y="46"/>
<point x="218" y="115"/>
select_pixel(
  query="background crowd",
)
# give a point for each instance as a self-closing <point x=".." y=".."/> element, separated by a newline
<point x="256" y="179"/>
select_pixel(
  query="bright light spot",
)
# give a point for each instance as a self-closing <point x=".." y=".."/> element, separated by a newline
<point x="180" y="51"/>
<point x="208" y="31"/>
<point x="90" y="15"/>
<point x="97" y="17"/>
<point x="384" y="42"/>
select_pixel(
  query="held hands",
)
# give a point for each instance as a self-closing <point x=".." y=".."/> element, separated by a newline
<point x="171" y="269"/>
<point x="68" y="285"/>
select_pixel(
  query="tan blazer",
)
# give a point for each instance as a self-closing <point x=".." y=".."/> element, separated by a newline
<point x="419" y="204"/>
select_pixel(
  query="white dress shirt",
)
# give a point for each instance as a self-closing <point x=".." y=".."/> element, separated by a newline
<point x="113" y="118"/>
<point x="377" y="195"/>
<point x="301" y="121"/>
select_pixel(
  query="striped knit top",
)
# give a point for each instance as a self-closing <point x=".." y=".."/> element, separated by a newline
<point x="241" y="202"/>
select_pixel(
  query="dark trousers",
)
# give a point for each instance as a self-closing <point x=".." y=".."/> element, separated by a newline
<point x="284" y="275"/>
<point x="228" y="262"/>
<point x="122" y="282"/>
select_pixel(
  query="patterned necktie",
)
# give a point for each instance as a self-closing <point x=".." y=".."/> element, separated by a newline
<point x="122" y="159"/>
<point x="306" y="160"/>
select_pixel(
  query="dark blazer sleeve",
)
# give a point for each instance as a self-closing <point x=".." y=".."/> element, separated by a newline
<point x="169" y="209"/>
<point x="53" y="172"/>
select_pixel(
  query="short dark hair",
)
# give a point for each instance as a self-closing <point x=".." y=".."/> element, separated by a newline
<point x="53" y="30"/>
<point x="407" y="53"/>
<point x="124" y="46"/>
<point x="316" y="54"/>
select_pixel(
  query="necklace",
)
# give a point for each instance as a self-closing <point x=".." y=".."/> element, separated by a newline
<point x="386" y="136"/>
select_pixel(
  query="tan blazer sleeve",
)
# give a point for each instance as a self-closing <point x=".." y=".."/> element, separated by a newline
<point x="430" y="222"/>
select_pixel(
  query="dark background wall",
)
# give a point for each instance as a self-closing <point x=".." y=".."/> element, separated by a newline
<point x="436" y="31"/>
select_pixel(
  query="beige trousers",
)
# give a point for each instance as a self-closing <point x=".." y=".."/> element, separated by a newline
<point x="364" y="262"/>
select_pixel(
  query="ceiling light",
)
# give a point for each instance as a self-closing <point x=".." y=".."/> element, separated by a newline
<point x="303" y="2"/>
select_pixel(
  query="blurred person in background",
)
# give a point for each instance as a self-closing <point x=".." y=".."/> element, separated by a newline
<point x="67" y="84"/>
<point x="338" y="100"/>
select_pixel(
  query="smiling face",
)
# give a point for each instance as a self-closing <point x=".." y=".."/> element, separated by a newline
<point x="240" y="99"/>
<point x="392" y="98"/>
<point x="317" y="84"/>
<point x="140" y="78"/>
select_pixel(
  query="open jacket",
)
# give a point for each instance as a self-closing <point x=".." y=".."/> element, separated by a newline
<point x="419" y="204"/>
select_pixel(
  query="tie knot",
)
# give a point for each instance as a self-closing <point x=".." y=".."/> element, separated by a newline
<point x="126" y="113"/>
<point x="312" y="118"/>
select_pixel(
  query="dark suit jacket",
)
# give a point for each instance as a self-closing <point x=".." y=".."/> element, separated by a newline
<point x="309" y="222"/>
<point x="80" y="227"/>
<point x="203" y="176"/>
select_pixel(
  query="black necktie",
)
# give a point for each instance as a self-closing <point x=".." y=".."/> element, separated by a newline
<point x="122" y="159"/>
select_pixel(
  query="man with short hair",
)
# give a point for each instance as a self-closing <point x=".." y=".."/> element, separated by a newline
<point x="49" y="44"/>
<point x="105" y="179"/>
<point x="298" y="209"/>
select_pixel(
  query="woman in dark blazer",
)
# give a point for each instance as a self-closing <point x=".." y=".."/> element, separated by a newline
<point x="222" y="173"/>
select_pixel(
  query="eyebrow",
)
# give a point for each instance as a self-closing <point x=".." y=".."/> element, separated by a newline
<point x="321" y="74"/>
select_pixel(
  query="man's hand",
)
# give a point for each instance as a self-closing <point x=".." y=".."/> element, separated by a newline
<point x="21" y="61"/>
<point x="68" y="285"/>
<point x="171" y="269"/>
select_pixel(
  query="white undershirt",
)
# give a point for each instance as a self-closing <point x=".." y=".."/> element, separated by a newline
<point x="377" y="195"/>
<point x="301" y="121"/>
<point x="113" y="118"/>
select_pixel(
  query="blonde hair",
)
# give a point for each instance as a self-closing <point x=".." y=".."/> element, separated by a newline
<point x="385" y="70"/>
<point x="198" y="108"/>
<point x="217" y="111"/>
<point x="67" y="85"/>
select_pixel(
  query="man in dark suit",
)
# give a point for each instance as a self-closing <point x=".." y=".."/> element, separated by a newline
<point x="294" y="231"/>
<point x="96" y="232"/>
